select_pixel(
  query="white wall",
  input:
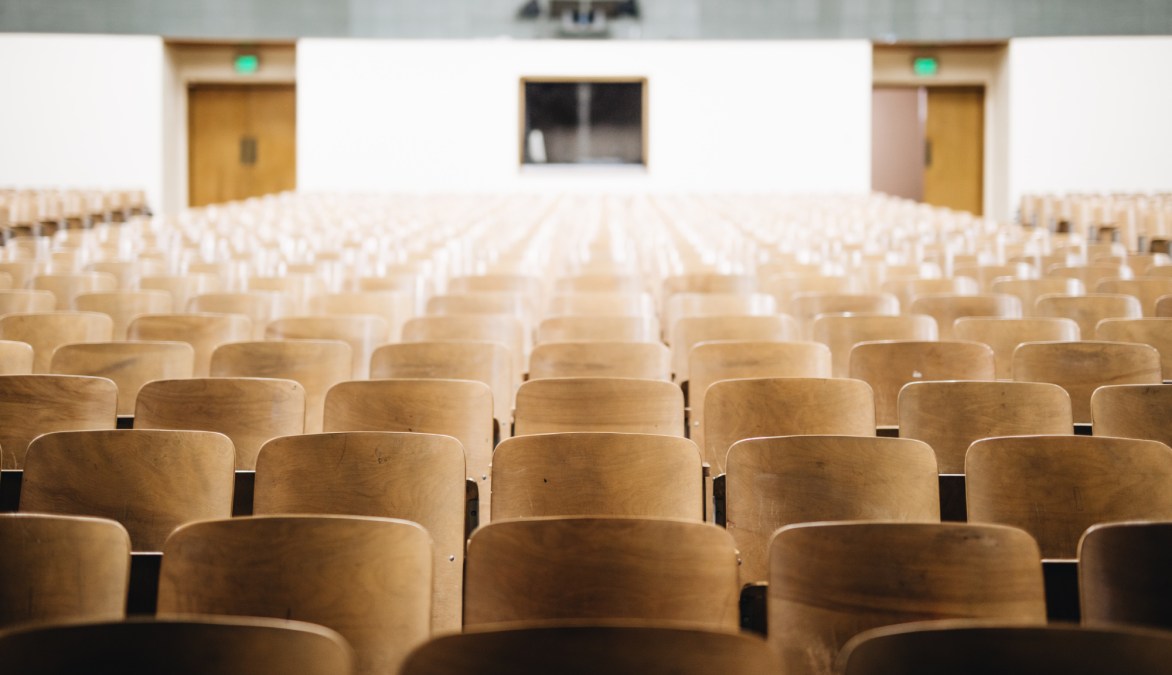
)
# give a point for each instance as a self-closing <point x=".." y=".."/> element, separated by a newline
<point x="1090" y="114"/>
<point x="82" y="112"/>
<point x="419" y="115"/>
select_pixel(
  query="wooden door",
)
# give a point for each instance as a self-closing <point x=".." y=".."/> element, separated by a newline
<point x="241" y="142"/>
<point x="955" y="148"/>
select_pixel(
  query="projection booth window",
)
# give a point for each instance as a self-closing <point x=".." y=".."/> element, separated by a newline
<point x="584" y="121"/>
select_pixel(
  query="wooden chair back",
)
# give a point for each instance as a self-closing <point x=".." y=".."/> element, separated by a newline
<point x="26" y="301"/>
<point x="123" y="306"/>
<point x="805" y="307"/>
<point x="66" y="287"/>
<point x="841" y="332"/>
<point x="1029" y="290"/>
<point x="1088" y="310"/>
<point x="987" y="274"/>
<point x="250" y="411"/>
<point x="599" y="404"/>
<point x="906" y="290"/>
<point x="506" y="330"/>
<point x="1004" y="335"/>
<point x="777" y="481"/>
<point x="1156" y="332"/>
<point x="783" y="406"/>
<point x="588" y="649"/>
<point x="503" y="283"/>
<point x="151" y="481"/>
<point x="830" y="581"/>
<point x="1164" y="306"/>
<point x="204" y="332"/>
<point x="364" y="333"/>
<point x="708" y="283"/>
<point x="693" y="305"/>
<point x="946" y="309"/>
<point x="415" y="477"/>
<point x="129" y="365"/>
<point x="31" y="405"/>
<point x="1055" y="487"/>
<point x="602" y="328"/>
<point x="260" y="307"/>
<point x="396" y="307"/>
<point x="783" y="287"/>
<point x="1082" y="367"/>
<point x="1145" y="289"/>
<point x="689" y="332"/>
<point x="22" y="271"/>
<point x="600" y="304"/>
<point x="182" y="287"/>
<point x="128" y="273"/>
<point x="367" y="578"/>
<point x="600" y="283"/>
<point x="950" y="416"/>
<point x="16" y="358"/>
<point x="601" y="569"/>
<point x="298" y="288"/>
<point x="639" y="360"/>
<point x="46" y="331"/>
<point x="889" y="365"/>
<point x="1133" y="411"/>
<point x="62" y="568"/>
<point x="317" y="365"/>
<point x="1123" y="574"/>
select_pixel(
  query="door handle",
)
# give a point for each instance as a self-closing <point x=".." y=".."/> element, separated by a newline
<point x="927" y="152"/>
<point x="248" y="150"/>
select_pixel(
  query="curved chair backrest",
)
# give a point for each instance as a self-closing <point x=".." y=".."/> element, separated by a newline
<point x="363" y="332"/>
<point x="1133" y="411"/>
<point x="946" y="309"/>
<point x="599" y="404"/>
<point x="260" y="307"/>
<point x="1088" y="310"/>
<point x="16" y="358"/>
<point x="1123" y="574"/>
<point x="31" y="405"/>
<point x="66" y="287"/>
<point x="46" y="331"/>
<point x="204" y="332"/>
<point x="638" y="360"/>
<point x="1029" y="290"/>
<point x="691" y="331"/>
<point x="507" y="330"/>
<point x="1156" y="332"/>
<point x="887" y="366"/>
<point x="1004" y="335"/>
<point x="123" y="306"/>
<point x="1145" y="289"/>
<point x="1082" y="367"/>
<point x="26" y="301"/>
<point x="605" y="328"/>
<point x="129" y="365"/>
<point x="396" y="307"/>
<point x="841" y="332"/>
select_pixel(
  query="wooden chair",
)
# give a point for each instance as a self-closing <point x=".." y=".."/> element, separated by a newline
<point x="204" y="332"/>
<point x="783" y="406"/>
<point x="639" y="360"/>
<point x="601" y="569"/>
<point x="783" y="287"/>
<point x="711" y="362"/>
<point x="249" y="411"/>
<point x="1123" y="574"/>
<point x="461" y="409"/>
<point x="987" y="274"/>
<point x="841" y="332"/>
<point x="778" y="481"/>
<point x="123" y="306"/>
<point x="129" y="365"/>
<point x="317" y="365"/>
<point x="260" y="307"/>
<point x="416" y="477"/>
<point x="597" y="474"/>
<point x="1082" y="367"/>
<point x="298" y="288"/>
<point x="805" y="307"/>
<point x="487" y="362"/>
<point x="978" y="648"/>
<point x="1156" y="332"/>
<point x="150" y="481"/>
<point x="599" y="404"/>
<point x="1133" y="411"/>
<point x="363" y="333"/>
<point x="197" y="646"/>
<point x="946" y="309"/>
<point x="694" y="305"/>
<point x="1055" y="487"/>
<point x="46" y="331"/>
<point x="603" y="328"/>
<point x="31" y="405"/>
<point x="25" y="301"/>
<point x="1164" y="306"/>
<point x="127" y="273"/>
<point x="1004" y="335"/>
<point x="396" y="307"/>
<point x="1089" y="274"/>
<point x="1088" y="310"/>
<point x="889" y="365"/>
<point x="367" y="578"/>
<point x="518" y="305"/>
<point x="506" y="330"/>
<point x="58" y="568"/>
<point x="505" y="283"/>
<point x="831" y="581"/>
<point x="708" y="283"/>
<point x="690" y="332"/>
<point x="906" y="290"/>
<point x="1029" y="290"/>
<point x="600" y="304"/>
<point x="1145" y="289"/>
<point x="22" y="272"/>
<point x="589" y="649"/>
<point x="182" y="287"/>
<point x="16" y="358"/>
<point x="66" y="287"/>
<point x="599" y="283"/>
<point x="950" y="416"/>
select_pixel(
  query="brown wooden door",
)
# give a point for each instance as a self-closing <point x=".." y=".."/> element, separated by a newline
<point x="241" y="142"/>
<point x="955" y="148"/>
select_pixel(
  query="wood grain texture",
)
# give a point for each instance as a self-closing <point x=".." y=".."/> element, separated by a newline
<point x="364" y="333"/>
<point x="249" y="411"/>
<point x="889" y="365"/>
<point x="588" y="649"/>
<point x="711" y="362"/>
<point x="58" y="568"/>
<point x="16" y="358"/>
<point x="946" y="308"/>
<point x="1133" y="411"/>
<point x="691" y="331"/>
<point x="31" y="405"/>
<point x="1029" y="290"/>
<point x="599" y="404"/>
<point x="182" y="287"/>
<point x="786" y="406"/>
<point x="544" y="569"/>
<point x="506" y="330"/>
<point x="693" y="305"/>
<point x="396" y="307"/>
<point x="907" y="289"/>
<point x="806" y="306"/>
<point x="773" y="482"/>
<point x="317" y="365"/>
<point x="1055" y="487"/>
<point x="198" y="646"/>
<point x="1145" y="289"/>
<point x="129" y="365"/>
<point x="1155" y="331"/>
<point x="604" y="328"/>
<point x="66" y="287"/>
<point x="26" y="301"/>
<point x="1082" y="367"/>
<point x="204" y="332"/>
<point x="831" y="581"/>
<point x="597" y="474"/>
<point x="367" y="578"/>
<point x="841" y="332"/>
<point x="150" y="481"/>
<point x="46" y="331"/>
<point x="1164" y="306"/>
<point x="1123" y="575"/>
<point x="123" y="306"/>
<point x="950" y="416"/>
<point x="260" y="307"/>
<point x="1088" y="310"/>
<point x="1003" y="335"/>
<point x="416" y="477"/>
<point x="638" y="360"/>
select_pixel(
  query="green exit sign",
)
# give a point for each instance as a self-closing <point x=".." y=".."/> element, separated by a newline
<point x="925" y="66"/>
<point x="246" y="64"/>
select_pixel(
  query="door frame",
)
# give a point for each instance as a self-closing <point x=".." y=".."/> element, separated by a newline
<point x="189" y="63"/>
